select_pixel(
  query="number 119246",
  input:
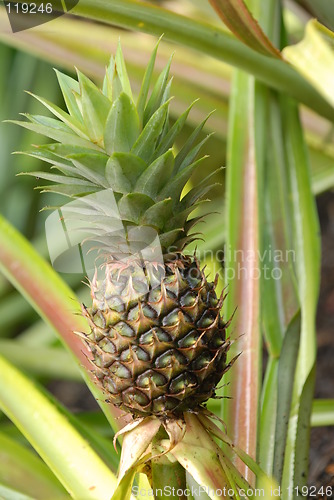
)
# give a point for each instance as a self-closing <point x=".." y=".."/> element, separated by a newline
<point x="29" y="8"/>
<point x="311" y="491"/>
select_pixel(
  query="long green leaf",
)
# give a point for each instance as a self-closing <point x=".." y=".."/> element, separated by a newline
<point x="286" y="373"/>
<point x="279" y="298"/>
<point x="41" y="286"/>
<point x="68" y="86"/>
<point x="145" y="86"/>
<point x="307" y="247"/>
<point x="10" y="494"/>
<point x="56" y="134"/>
<point x="178" y="28"/>
<point x="68" y="455"/>
<point x="21" y="468"/>
<point x="158" y="92"/>
<point x="49" y="295"/>
<point x="242" y="265"/>
<point x="95" y="109"/>
<point x="70" y="121"/>
<point x="244" y="272"/>
<point x="102" y="445"/>
<point x="322" y="412"/>
<point x="238" y="18"/>
<point x="122" y="72"/>
<point x="268" y="417"/>
<point x="40" y="360"/>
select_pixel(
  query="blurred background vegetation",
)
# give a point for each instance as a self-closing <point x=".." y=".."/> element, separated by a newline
<point x="26" y="63"/>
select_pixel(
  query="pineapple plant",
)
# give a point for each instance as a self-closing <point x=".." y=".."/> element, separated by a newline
<point x="270" y="194"/>
<point x="156" y="335"/>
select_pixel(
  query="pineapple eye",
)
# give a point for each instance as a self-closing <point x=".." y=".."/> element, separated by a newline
<point x="189" y="299"/>
<point x="155" y="295"/>
<point x="182" y="382"/>
<point x="193" y="276"/>
<point x="124" y="329"/>
<point x="170" y="358"/>
<point x="110" y="385"/>
<point x="201" y="362"/>
<point x="213" y="300"/>
<point x="140" y="353"/>
<point x="172" y="318"/>
<point x="134" y="396"/>
<point x="107" y="346"/>
<point x="99" y="319"/>
<point x="115" y="303"/>
<point x="151" y="377"/>
<point x="218" y="340"/>
<point x="163" y="404"/>
<point x="162" y="335"/>
<point x="206" y="320"/>
<point x="189" y="340"/>
<point x="140" y="287"/>
<point x="119" y="370"/>
<point x="136" y="312"/>
<point x="148" y="337"/>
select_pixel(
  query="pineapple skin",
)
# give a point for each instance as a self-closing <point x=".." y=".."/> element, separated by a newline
<point x="163" y="353"/>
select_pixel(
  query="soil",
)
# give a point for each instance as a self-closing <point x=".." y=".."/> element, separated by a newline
<point x="322" y="438"/>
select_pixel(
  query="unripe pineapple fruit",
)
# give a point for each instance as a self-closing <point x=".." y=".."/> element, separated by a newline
<point x="158" y="345"/>
<point x="162" y="354"/>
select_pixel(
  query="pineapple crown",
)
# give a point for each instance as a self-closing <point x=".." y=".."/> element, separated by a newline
<point x="107" y="140"/>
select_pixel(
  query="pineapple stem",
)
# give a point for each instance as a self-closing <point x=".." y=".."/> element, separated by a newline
<point x="168" y="475"/>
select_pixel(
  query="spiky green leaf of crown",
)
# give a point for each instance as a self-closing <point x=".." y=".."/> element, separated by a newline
<point x="107" y="140"/>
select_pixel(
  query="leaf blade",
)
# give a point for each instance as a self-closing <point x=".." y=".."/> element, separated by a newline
<point x="122" y="125"/>
<point x="38" y="422"/>
<point x="239" y="19"/>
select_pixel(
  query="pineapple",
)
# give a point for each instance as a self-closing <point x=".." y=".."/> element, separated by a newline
<point x="157" y="338"/>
